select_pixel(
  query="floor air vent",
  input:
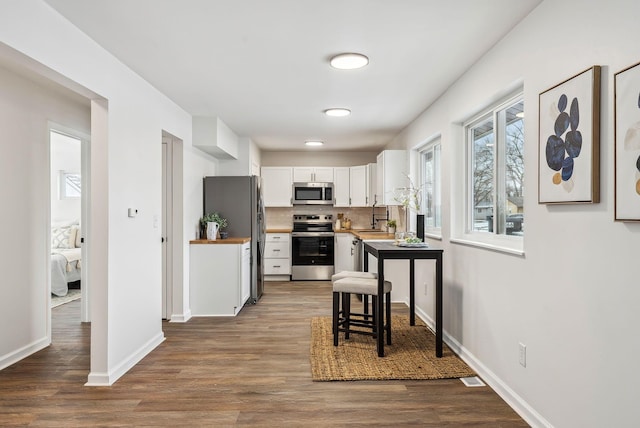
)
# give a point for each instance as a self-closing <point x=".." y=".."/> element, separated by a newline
<point x="472" y="381"/>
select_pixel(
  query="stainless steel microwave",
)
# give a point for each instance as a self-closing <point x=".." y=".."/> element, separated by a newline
<point x="313" y="193"/>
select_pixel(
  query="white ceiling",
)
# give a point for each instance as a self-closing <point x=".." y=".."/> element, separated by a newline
<point x="262" y="66"/>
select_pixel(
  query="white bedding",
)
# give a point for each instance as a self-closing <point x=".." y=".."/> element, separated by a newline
<point x="65" y="268"/>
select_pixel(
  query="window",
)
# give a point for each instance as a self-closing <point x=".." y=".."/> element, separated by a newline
<point x="495" y="162"/>
<point x="431" y="194"/>
<point x="70" y="185"/>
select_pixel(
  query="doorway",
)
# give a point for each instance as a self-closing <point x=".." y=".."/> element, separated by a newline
<point x="172" y="233"/>
<point x="69" y="179"/>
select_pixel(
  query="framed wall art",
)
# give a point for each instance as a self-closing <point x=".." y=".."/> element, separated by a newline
<point x="569" y="140"/>
<point x="627" y="144"/>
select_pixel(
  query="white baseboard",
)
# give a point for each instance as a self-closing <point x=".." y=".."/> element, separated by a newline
<point x="181" y="317"/>
<point x="285" y="278"/>
<point x="520" y="406"/>
<point x="108" y="379"/>
<point x="25" y="351"/>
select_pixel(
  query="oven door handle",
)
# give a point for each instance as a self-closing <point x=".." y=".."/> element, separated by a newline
<point x="311" y="234"/>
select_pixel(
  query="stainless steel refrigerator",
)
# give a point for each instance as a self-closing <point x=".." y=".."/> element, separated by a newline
<point x="238" y="199"/>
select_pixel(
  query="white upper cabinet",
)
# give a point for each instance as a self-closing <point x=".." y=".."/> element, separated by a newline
<point x="277" y="182"/>
<point x="358" y="186"/>
<point x="391" y="172"/>
<point x="352" y="186"/>
<point x="319" y="174"/>
<point x="341" y="186"/>
<point x="372" y="186"/>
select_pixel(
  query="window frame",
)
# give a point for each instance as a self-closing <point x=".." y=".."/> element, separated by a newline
<point x="496" y="239"/>
<point x="434" y="147"/>
<point x="66" y="189"/>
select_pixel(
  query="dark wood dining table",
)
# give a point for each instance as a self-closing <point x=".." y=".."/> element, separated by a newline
<point x="390" y="251"/>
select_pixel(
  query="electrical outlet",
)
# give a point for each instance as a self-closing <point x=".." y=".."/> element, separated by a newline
<point x="523" y="354"/>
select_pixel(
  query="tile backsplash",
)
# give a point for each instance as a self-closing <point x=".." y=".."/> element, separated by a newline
<point x="282" y="218"/>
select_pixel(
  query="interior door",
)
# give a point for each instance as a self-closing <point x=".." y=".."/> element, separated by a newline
<point x="166" y="226"/>
<point x="85" y="171"/>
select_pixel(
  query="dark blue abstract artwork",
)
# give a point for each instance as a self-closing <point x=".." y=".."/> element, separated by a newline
<point x="569" y="141"/>
<point x="563" y="148"/>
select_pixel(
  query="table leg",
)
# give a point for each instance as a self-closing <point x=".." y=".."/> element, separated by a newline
<point x="365" y="298"/>
<point x="380" y="310"/>
<point x="412" y="292"/>
<point x="439" y="306"/>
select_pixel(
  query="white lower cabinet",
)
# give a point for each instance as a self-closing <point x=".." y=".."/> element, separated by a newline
<point x="277" y="257"/>
<point x="344" y="252"/>
<point x="220" y="278"/>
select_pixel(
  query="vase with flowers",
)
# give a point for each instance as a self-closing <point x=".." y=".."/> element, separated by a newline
<point x="410" y="199"/>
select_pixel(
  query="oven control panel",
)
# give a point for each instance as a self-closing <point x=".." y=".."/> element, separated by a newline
<point x="315" y="218"/>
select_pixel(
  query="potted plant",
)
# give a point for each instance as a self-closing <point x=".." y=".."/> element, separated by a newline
<point x="391" y="226"/>
<point x="216" y="218"/>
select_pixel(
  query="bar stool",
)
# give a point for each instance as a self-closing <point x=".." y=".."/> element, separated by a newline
<point x="356" y="274"/>
<point x="344" y="320"/>
<point x="353" y="274"/>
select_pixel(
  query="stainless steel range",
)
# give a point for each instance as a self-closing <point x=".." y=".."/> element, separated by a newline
<point x="312" y="247"/>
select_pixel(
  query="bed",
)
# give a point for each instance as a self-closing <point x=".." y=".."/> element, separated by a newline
<point x="66" y="258"/>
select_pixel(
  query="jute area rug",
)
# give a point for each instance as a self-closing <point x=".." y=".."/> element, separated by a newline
<point x="410" y="356"/>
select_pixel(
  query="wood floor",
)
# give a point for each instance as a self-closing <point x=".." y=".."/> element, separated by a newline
<point x="251" y="370"/>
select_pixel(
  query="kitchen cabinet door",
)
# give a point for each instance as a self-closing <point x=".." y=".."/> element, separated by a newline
<point x="323" y="174"/>
<point x="277" y="185"/>
<point x="344" y="254"/>
<point x="319" y="174"/>
<point x="358" y="186"/>
<point x="341" y="186"/>
<point x="391" y="172"/>
<point x="302" y="174"/>
<point x="372" y="186"/>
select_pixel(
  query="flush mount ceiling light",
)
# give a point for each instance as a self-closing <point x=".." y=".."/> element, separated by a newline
<point x="337" y="112"/>
<point x="349" y="61"/>
<point x="313" y="143"/>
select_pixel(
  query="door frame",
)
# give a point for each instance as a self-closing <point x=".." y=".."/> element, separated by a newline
<point x="173" y="299"/>
<point x="85" y="174"/>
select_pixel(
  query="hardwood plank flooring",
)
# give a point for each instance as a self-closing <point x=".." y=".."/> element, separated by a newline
<point x="249" y="370"/>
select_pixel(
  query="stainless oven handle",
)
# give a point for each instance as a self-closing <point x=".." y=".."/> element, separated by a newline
<point x="311" y="234"/>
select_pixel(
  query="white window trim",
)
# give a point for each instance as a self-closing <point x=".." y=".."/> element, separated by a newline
<point x="462" y="234"/>
<point x="430" y="145"/>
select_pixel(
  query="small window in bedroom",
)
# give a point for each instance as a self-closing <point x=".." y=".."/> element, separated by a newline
<point x="70" y="185"/>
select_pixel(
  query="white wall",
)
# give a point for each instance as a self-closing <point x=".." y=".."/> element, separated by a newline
<point x="65" y="156"/>
<point x="25" y="111"/>
<point x="246" y="163"/>
<point x="127" y="123"/>
<point x="573" y="298"/>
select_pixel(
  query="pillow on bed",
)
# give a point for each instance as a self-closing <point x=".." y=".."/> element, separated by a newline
<point x="63" y="237"/>
<point x="78" y="240"/>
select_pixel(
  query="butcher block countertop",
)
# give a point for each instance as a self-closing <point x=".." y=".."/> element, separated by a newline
<point x="368" y="234"/>
<point x="221" y="241"/>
